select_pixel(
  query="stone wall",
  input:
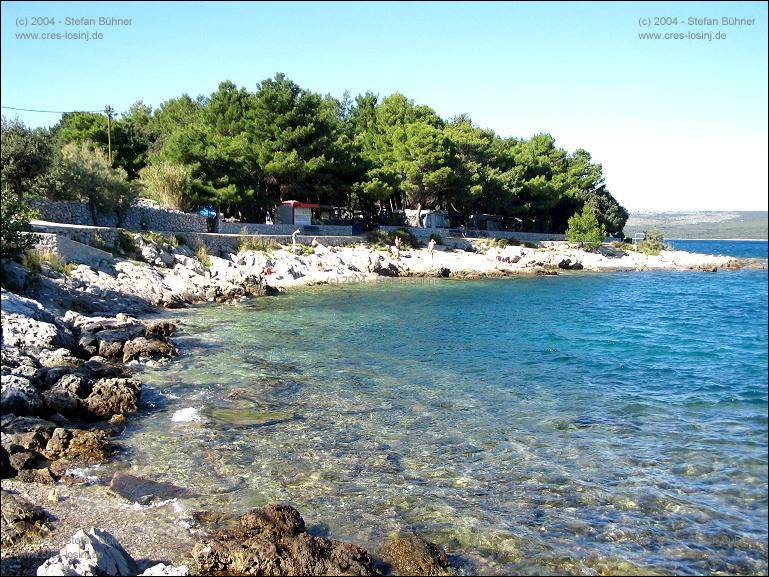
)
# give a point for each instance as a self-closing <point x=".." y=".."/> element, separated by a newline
<point x="70" y="250"/>
<point x="220" y="244"/>
<point x="96" y="236"/>
<point x="137" y="217"/>
<point x="283" y="229"/>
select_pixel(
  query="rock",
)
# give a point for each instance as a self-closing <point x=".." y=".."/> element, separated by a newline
<point x="565" y="264"/>
<point x="144" y="491"/>
<point x="412" y="554"/>
<point x="33" y="440"/>
<point x="23" y="460"/>
<point x="42" y="475"/>
<point x="82" y="446"/>
<point x="25" y="323"/>
<point x="163" y="569"/>
<point x="94" y="552"/>
<point x="577" y="266"/>
<point x="53" y="495"/>
<point x="66" y="396"/>
<point x="12" y="424"/>
<point x="18" y="396"/>
<point x="143" y="347"/>
<point x="273" y="541"/>
<point x="113" y="396"/>
<point x="20" y="519"/>
<point x="160" y="329"/>
<point x="59" y="357"/>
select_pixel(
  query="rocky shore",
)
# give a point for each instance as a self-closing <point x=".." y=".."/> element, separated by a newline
<point x="69" y="340"/>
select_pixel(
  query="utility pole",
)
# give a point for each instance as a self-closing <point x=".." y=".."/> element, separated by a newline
<point x="109" y="111"/>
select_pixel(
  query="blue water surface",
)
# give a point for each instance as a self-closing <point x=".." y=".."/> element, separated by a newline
<point x="583" y="423"/>
<point x="737" y="248"/>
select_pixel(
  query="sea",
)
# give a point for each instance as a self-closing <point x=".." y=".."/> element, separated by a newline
<point x="585" y="423"/>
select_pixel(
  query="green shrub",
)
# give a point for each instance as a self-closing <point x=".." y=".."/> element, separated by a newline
<point x="15" y="215"/>
<point x="408" y="240"/>
<point x="585" y="229"/>
<point x="502" y="243"/>
<point x="302" y="249"/>
<point x="514" y="241"/>
<point x="528" y="244"/>
<point x="251" y="242"/>
<point x="160" y="238"/>
<point x="169" y="183"/>
<point x="201" y="253"/>
<point x="34" y="261"/>
<point x="127" y="244"/>
<point x="180" y="239"/>
<point x="653" y="243"/>
<point x="437" y="238"/>
<point x="97" y="241"/>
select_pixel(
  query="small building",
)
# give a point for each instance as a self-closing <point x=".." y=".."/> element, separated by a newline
<point x="485" y="221"/>
<point x="427" y="218"/>
<point x="294" y="212"/>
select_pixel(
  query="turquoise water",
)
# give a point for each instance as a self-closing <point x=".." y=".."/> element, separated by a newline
<point x="583" y="423"/>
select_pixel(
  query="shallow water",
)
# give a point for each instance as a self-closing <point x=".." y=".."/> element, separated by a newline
<point x="610" y="423"/>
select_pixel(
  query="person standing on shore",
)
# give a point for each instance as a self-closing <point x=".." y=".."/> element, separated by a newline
<point x="431" y="248"/>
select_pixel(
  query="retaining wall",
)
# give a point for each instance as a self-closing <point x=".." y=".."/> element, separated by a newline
<point x="283" y="229"/>
<point x="136" y="218"/>
<point x="70" y="250"/>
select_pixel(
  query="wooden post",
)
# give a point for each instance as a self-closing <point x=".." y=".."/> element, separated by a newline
<point x="108" y="111"/>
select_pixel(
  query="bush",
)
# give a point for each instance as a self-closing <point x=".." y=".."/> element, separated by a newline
<point x="169" y="183"/>
<point x="249" y="242"/>
<point x="653" y="243"/>
<point x="127" y="244"/>
<point x="514" y="241"/>
<point x="585" y="229"/>
<point x="437" y="238"/>
<point x="35" y="260"/>
<point x="201" y="253"/>
<point x="302" y="249"/>
<point x="15" y="215"/>
<point x="86" y="174"/>
<point x="528" y="244"/>
<point x="408" y="240"/>
<point x="502" y="243"/>
<point x="160" y="238"/>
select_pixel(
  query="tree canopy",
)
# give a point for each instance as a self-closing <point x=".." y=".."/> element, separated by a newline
<point x="245" y="151"/>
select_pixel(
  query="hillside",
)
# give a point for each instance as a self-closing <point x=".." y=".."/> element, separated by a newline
<point x="704" y="225"/>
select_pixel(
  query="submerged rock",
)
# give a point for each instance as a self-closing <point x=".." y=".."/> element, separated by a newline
<point x="94" y="552"/>
<point x="412" y="554"/>
<point x="144" y="491"/>
<point x="272" y="541"/>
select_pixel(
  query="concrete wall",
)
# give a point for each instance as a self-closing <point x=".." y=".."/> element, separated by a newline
<point x="70" y="250"/>
<point x="452" y="235"/>
<point x="136" y="218"/>
<point x="95" y="236"/>
<point x="282" y="229"/>
<point x="220" y="244"/>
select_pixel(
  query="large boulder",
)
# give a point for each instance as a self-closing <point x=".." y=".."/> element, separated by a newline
<point x="92" y="552"/>
<point x="20" y="519"/>
<point x="142" y="347"/>
<point x="67" y="395"/>
<point x="113" y="396"/>
<point x="78" y="445"/>
<point x="412" y="554"/>
<point x="272" y="541"/>
<point x="25" y="323"/>
<point x="19" y="396"/>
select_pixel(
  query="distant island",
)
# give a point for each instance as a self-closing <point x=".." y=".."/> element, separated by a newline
<point x="701" y="224"/>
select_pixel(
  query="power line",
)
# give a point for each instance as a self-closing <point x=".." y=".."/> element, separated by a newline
<point x="51" y="111"/>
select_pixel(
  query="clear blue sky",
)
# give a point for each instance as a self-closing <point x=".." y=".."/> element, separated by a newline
<point x="676" y="124"/>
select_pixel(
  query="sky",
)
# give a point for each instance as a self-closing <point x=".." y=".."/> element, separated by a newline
<point x="676" y="124"/>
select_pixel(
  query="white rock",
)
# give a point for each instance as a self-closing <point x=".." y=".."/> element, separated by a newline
<point x="95" y="552"/>
<point x="163" y="569"/>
